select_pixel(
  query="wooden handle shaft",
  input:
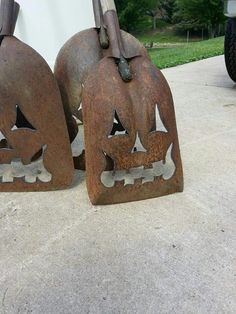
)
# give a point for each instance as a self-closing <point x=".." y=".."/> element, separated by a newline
<point x="108" y="5"/>
<point x="9" y="10"/>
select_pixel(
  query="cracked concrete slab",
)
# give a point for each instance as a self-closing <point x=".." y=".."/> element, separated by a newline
<point x="176" y="254"/>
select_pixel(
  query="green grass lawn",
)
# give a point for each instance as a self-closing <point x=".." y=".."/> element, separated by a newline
<point x="167" y="36"/>
<point x="193" y="51"/>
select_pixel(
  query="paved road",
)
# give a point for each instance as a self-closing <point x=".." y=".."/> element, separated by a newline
<point x="177" y="254"/>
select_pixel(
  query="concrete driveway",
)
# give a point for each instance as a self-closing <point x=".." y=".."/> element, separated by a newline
<point x="177" y="254"/>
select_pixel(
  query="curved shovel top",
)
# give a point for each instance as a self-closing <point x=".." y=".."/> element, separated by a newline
<point x="78" y="57"/>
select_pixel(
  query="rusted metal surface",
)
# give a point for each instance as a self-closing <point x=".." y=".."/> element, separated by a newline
<point x="76" y="59"/>
<point x="131" y="142"/>
<point x="80" y="54"/>
<point x="135" y="174"/>
<point x="32" y="120"/>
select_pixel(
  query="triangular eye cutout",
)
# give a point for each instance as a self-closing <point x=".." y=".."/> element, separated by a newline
<point x="21" y="121"/>
<point x="117" y="128"/>
<point x="159" y="127"/>
<point x="138" y="146"/>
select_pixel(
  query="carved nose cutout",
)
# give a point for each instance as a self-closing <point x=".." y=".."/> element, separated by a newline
<point x="138" y="146"/>
<point x="159" y="127"/>
<point x="118" y="128"/>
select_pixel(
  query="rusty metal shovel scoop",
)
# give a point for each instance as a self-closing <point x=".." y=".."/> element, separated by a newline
<point x="77" y="58"/>
<point x="144" y="157"/>
<point x="35" y="151"/>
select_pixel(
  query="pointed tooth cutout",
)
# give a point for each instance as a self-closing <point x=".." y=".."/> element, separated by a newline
<point x="138" y="146"/>
<point x="117" y="128"/>
<point x="169" y="164"/>
<point x="159" y="123"/>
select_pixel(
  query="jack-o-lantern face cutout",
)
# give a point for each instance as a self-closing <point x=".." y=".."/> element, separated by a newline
<point x="35" y="150"/>
<point x="148" y="172"/>
<point x="17" y="160"/>
<point x="143" y="154"/>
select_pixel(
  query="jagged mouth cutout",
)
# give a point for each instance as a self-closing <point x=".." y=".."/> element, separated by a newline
<point x="33" y="172"/>
<point x="143" y="174"/>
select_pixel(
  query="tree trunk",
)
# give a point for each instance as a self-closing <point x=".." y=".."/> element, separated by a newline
<point x="212" y="29"/>
<point x="154" y="27"/>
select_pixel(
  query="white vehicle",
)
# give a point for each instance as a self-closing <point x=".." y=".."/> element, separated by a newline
<point x="230" y="38"/>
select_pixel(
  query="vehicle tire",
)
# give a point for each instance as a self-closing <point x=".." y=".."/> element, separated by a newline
<point x="230" y="48"/>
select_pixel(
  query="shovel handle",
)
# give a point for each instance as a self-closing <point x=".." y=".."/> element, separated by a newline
<point x="100" y="7"/>
<point x="105" y="10"/>
<point x="97" y="13"/>
<point x="108" y="5"/>
<point x="98" y="16"/>
<point x="15" y="16"/>
<point x="111" y="21"/>
<point x="9" y="10"/>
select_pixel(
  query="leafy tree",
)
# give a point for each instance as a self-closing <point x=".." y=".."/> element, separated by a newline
<point x="202" y="13"/>
<point x="168" y="8"/>
<point x="153" y="10"/>
<point x="131" y="12"/>
<point x="161" y="8"/>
